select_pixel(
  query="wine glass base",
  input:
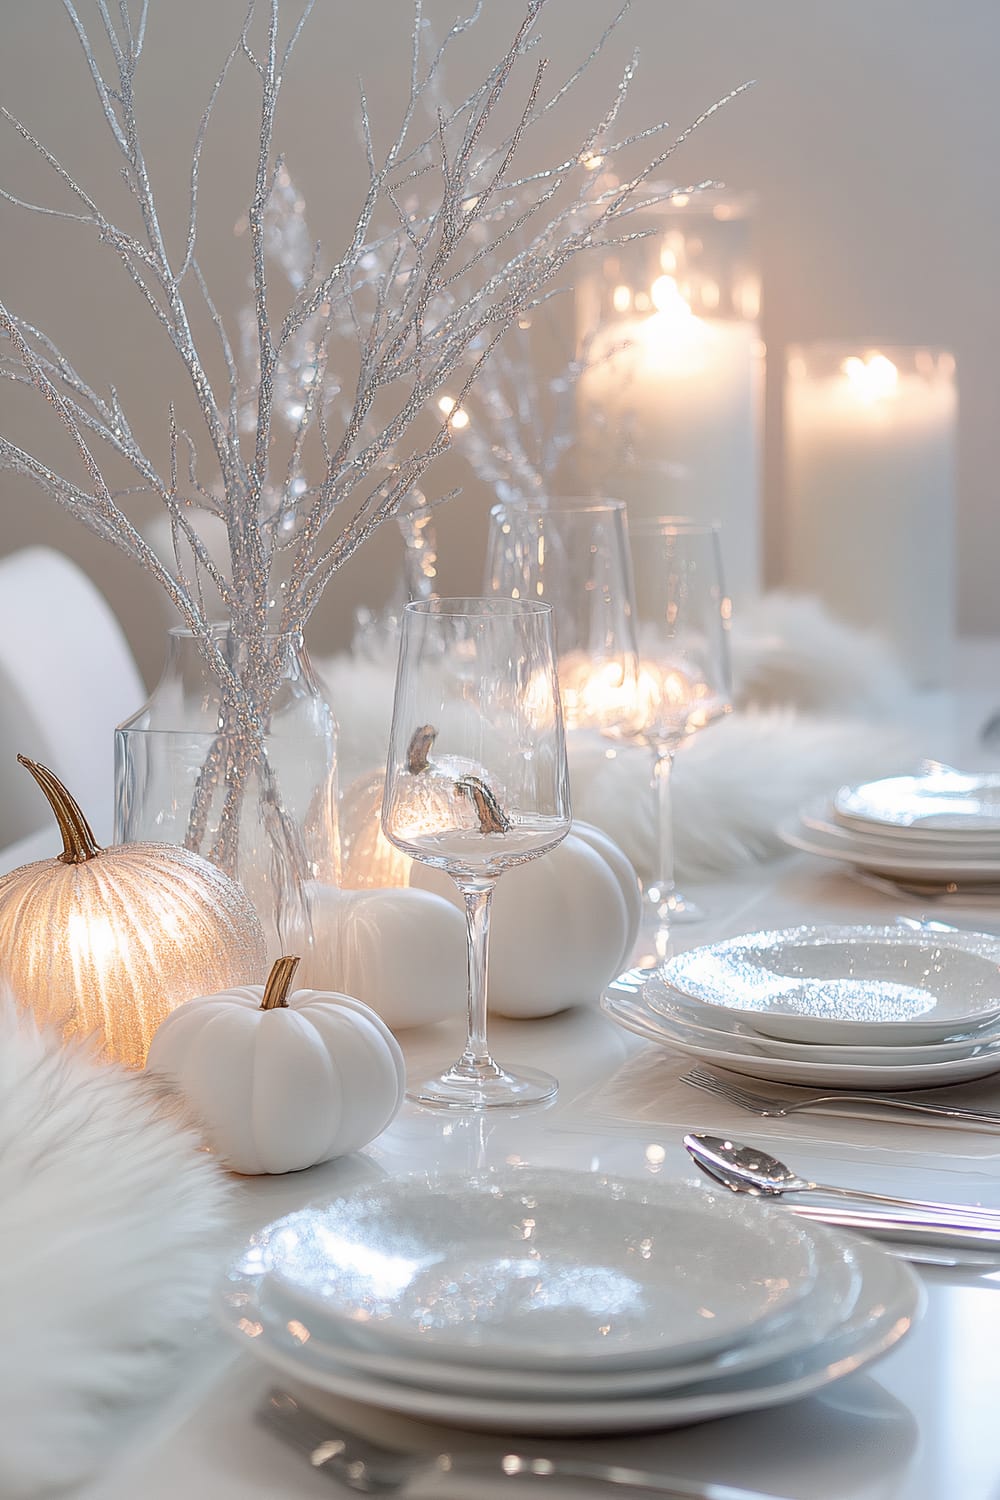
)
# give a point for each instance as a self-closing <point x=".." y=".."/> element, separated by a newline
<point x="484" y="1088"/>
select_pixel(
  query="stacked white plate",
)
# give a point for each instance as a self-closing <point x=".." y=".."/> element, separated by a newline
<point x="939" y="827"/>
<point x="835" y="1007"/>
<point x="561" y="1302"/>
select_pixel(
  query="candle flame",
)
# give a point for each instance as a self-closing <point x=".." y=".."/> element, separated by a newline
<point x="871" y="378"/>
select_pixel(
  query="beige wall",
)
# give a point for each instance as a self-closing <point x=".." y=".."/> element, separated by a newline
<point x="872" y="137"/>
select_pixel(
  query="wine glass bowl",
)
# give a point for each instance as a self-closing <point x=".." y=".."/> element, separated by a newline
<point x="476" y="783"/>
<point x="574" y="554"/>
<point x="683" y="681"/>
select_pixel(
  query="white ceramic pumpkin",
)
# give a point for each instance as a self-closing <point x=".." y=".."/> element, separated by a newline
<point x="562" y="927"/>
<point x="401" y="951"/>
<point x="278" y="1081"/>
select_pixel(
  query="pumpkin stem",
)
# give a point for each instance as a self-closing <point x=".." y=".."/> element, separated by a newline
<point x="492" y="818"/>
<point x="79" y="843"/>
<point x="279" y="982"/>
<point x="419" y="749"/>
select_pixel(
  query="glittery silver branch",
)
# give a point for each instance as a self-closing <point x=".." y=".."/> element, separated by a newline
<point x="451" y="247"/>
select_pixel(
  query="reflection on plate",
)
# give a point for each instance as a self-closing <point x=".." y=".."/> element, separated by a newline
<point x="808" y="1320"/>
<point x="946" y="801"/>
<point x="539" y="1269"/>
<point x="719" y="1028"/>
<point x="846" y="984"/>
<point x="888" y="1301"/>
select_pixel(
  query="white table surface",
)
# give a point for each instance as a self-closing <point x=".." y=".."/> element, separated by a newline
<point x="920" y="1425"/>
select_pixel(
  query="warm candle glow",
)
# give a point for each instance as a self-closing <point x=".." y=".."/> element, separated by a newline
<point x="869" y="440"/>
<point x="594" y="693"/>
<point x="871" y="378"/>
<point x="670" y="399"/>
<point x="606" y="694"/>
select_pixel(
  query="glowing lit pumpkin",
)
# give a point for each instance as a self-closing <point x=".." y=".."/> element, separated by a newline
<point x="108" y="941"/>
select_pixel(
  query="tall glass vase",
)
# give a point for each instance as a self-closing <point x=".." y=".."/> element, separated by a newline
<point x="255" y="792"/>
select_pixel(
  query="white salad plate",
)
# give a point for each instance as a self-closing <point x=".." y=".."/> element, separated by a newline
<point x="944" y="802"/>
<point x="819" y="816"/>
<point x="710" y="1025"/>
<point x="885" y="985"/>
<point x="556" y="1270"/>
<point x="628" y="1008"/>
<point x="888" y="1299"/>
<point x="807" y="1321"/>
<point x="852" y="848"/>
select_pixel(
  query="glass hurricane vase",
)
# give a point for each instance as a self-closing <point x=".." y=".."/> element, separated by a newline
<point x="250" y="782"/>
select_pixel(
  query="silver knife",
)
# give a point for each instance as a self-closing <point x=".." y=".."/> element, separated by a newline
<point x="912" y="1235"/>
<point x="368" y="1468"/>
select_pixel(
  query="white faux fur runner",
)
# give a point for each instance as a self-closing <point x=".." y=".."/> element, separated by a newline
<point x="816" y="705"/>
<point x="110" y="1229"/>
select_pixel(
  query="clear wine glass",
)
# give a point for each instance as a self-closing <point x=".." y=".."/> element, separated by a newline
<point x="684" y="681"/>
<point x="476" y="782"/>
<point x="573" y="553"/>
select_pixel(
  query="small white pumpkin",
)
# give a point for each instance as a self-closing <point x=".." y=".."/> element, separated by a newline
<point x="563" y="926"/>
<point x="282" y="1082"/>
<point x="401" y="951"/>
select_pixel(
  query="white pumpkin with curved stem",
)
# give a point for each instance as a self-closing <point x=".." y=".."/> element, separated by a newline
<point x="562" y="926"/>
<point x="278" y="1081"/>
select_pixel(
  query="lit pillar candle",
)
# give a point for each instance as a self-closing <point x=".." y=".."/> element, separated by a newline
<point x="869" y="440"/>
<point x="670" y="397"/>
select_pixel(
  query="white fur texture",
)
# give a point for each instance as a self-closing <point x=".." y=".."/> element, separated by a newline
<point x="733" y="785"/>
<point x="810" y="692"/>
<point x="109" y="1248"/>
<point x="787" y="649"/>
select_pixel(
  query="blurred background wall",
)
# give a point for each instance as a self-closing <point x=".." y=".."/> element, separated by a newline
<point x="872" y="138"/>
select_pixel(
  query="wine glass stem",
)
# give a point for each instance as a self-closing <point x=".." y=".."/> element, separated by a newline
<point x="662" y="767"/>
<point x="478" y="896"/>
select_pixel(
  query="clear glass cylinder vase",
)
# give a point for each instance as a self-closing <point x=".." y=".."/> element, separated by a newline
<point x="249" y="781"/>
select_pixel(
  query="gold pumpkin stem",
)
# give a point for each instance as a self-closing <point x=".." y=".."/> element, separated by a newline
<point x="419" y="749"/>
<point x="79" y="843"/>
<point x="279" y="982"/>
<point x="492" y="818"/>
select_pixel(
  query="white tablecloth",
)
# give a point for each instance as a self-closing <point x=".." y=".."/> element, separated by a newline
<point x="919" y="1426"/>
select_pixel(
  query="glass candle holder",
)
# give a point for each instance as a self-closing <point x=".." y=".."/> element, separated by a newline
<point x="869" y="445"/>
<point x="669" y="401"/>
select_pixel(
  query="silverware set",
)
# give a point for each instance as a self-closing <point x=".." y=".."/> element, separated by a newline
<point x="768" y="1107"/>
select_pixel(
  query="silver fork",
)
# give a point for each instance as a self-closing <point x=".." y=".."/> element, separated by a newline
<point x="368" y="1468"/>
<point x="760" y="1104"/>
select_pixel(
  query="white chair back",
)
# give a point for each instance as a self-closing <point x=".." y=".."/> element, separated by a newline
<point x="67" y="678"/>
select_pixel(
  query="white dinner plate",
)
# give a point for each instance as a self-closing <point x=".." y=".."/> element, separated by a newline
<point x="945" y="802"/>
<point x="632" y="1012"/>
<point x="885" y="985"/>
<point x="720" y="1028"/>
<point x="889" y="1299"/>
<point x="847" y="848"/>
<point x="809" y="1320"/>
<point x="551" y="1269"/>
<point x="875" y="839"/>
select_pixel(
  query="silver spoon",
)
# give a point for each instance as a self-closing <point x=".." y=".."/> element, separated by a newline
<point x="749" y="1169"/>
